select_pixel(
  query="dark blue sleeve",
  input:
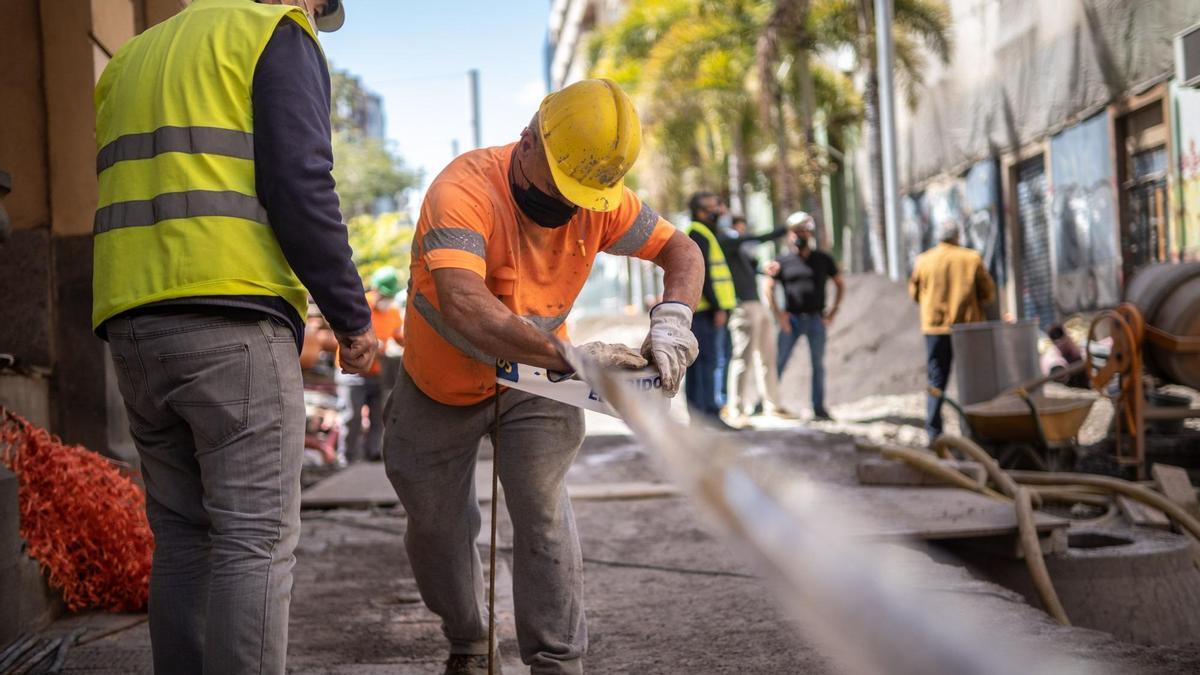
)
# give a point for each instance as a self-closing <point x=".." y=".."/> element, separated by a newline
<point x="293" y="159"/>
<point x="754" y="238"/>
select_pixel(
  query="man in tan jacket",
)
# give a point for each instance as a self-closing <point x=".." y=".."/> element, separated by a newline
<point x="952" y="285"/>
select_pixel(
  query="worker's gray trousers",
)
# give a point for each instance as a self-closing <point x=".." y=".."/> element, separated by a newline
<point x="430" y="450"/>
<point x="216" y="407"/>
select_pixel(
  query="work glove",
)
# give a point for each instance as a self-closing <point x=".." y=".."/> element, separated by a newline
<point x="670" y="345"/>
<point x="613" y="355"/>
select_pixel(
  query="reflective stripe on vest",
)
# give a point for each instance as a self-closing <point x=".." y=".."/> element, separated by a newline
<point x="208" y="140"/>
<point x="718" y="272"/>
<point x="178" y="213"/>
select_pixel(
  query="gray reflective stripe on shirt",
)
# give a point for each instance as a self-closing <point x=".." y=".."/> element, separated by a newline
<point x="546" y="323"/>
<point x="457" y="238"/>
<point x="438" y="323"/>
<point x="191" y="204"/>
<point x="637" y="235"/>
<point x="207" y="140"/>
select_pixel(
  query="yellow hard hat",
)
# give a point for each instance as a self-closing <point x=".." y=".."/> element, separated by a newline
<point x="592" y="137"/>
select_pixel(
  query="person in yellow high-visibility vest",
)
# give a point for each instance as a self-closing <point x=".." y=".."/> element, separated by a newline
<point x="217" y="216"/>
<point x="705" y="381"/>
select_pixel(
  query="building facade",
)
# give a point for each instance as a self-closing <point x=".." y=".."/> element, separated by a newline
<point x="1058" y="137"/>
<point x="571" y="23"/>
<point x="58" y="373"/>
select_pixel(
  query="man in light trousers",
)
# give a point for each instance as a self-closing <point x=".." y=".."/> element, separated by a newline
<point x="752" y="371"/>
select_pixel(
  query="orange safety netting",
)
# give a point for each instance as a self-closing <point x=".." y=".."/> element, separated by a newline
<point x="80" y="518"/>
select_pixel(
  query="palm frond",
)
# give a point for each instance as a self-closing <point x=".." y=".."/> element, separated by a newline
<point x="928" y="20"/>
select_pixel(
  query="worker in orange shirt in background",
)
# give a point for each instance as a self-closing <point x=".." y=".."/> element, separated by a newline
<point x="356" y="391"/>
<point x="504" y="243"/>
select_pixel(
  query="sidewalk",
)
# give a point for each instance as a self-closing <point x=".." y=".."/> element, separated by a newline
<point x="663" y="594"/>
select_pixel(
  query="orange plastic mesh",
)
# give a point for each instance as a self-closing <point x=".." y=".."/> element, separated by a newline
<point x="81" y="519"/>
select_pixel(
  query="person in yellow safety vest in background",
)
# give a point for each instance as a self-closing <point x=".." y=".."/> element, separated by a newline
<point x="504" y="243"/>
<point x="217" y="217"/>
<point x="356" y="391"/>
<point x="705" y="383"/>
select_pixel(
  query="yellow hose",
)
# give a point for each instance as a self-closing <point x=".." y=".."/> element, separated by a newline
<point x="1131" y="490"/>
<point x="972" y="450"/>
<point x="1034" y="560"/>
<point x="929" y="463"/>
<point x="1066" y="495"/>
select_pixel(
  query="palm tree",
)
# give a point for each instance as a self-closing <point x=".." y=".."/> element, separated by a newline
<point x="693" y="64"/>
<point x="917" y="26"/>
<point x="686" y="61"/>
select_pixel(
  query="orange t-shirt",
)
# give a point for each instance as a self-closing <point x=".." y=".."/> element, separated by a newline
<point x="470" y="221"/>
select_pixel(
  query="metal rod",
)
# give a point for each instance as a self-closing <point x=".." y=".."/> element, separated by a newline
<point x="476" y="128"/>
<point x="800" y="537"/>
<point x="887" y="123"/>
<point x="492" y="651"/>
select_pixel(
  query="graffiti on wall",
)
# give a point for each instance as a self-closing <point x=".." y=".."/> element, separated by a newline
<point x="973" y="201"/>
<point x="1186" y="225"/>
<point x="1083" y="222"/>
<point x="983" y="224"/>
<point x="915" y="234"/>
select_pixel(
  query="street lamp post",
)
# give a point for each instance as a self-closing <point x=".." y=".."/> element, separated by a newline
<point x="887" y="119"/>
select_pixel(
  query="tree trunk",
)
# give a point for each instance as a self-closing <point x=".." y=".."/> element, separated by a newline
<point x="786" y="20"/>
<point x="807" y="113"/>
<point x="873" y="138"/>
<point x="736" y="168"/>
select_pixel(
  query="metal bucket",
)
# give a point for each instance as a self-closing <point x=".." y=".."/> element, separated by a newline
<point x="990" y="357"/>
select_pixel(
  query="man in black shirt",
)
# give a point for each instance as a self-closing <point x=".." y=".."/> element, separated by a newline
<point x="751" y="328"/>
<point x="803" y="273"/>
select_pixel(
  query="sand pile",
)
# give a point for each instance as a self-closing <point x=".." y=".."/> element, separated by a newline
<point x="874" y="347"/>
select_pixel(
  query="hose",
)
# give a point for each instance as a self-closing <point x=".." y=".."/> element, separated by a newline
<point x="929" y="463"/>
<point x="1124" y="487"/>
<point x="1034" y="560"/>
<point x="1067" y="495"/>
<point x="1055" y="486"/>
<point x="972" y="450"/>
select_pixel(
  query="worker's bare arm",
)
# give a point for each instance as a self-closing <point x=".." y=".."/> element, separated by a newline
<point x="471" y="309"/>
<point x="683" y="268"/>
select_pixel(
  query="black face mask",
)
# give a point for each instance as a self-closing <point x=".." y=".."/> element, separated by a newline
<point x="540" y="207"/>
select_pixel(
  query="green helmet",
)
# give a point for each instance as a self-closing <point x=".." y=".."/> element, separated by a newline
<point x="385" y="282"/>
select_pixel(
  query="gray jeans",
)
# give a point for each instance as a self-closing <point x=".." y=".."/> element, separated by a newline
<point x="430" y="451"/>
<point x="216" y="408"/>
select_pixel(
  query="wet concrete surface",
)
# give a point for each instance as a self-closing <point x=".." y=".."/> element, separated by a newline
<point x="663" y="593"/>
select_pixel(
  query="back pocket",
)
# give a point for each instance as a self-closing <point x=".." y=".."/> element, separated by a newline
<point x="210" y="389"/>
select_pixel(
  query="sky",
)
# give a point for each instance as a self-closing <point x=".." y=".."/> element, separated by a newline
<point x="417" y="54"/>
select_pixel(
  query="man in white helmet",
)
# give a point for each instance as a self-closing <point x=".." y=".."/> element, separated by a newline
<point x="803" y="273"/>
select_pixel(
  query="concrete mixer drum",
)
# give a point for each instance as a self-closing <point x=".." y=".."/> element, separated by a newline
<point x="1168" y="296"/>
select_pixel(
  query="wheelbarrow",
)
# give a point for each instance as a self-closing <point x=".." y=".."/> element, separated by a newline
<point x="1025" y="430"/>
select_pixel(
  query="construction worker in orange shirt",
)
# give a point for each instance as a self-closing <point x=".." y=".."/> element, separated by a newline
<point x="356" y="391"/>
<point x="504" y="243"/>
